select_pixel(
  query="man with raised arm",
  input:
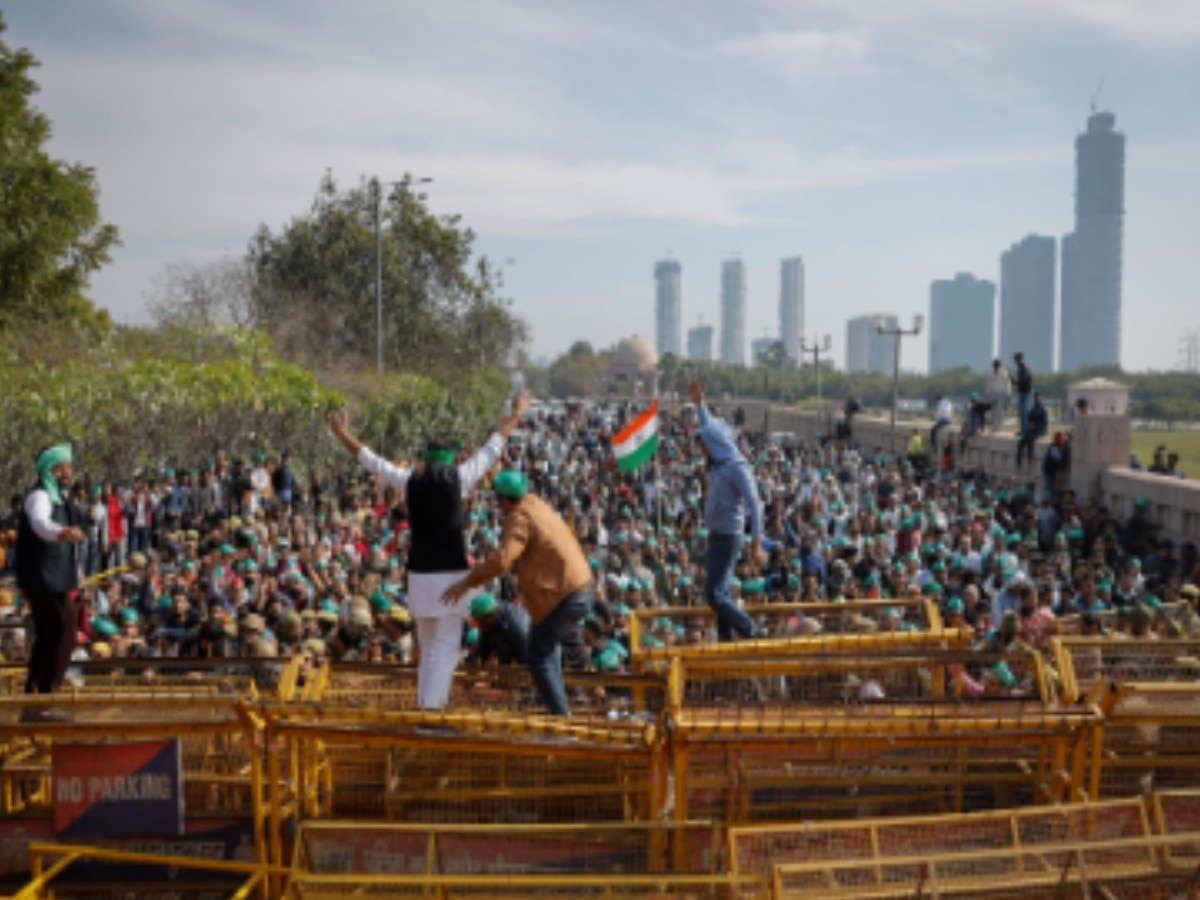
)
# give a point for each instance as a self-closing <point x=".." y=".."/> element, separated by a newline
<point x="732" y="499"/>
<point x="437" y="558"/>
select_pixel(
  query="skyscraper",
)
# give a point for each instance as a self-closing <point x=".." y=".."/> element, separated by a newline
<point x="1091" y="255"/>
<point x="700" y="343"/>
<point x="733" y="312"/>
<point x="791" y="305"/>
<point x="667" y="312"/>
<point x="1027" y="302"/>
<point x="866" y="349"/>
<point x="961" y="323"/>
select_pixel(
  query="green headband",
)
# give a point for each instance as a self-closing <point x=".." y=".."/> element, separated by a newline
<point x="434" y="455"/>
<point x="49" y="458"/>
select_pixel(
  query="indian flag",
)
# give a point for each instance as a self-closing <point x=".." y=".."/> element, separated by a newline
<point x="636" y="444"/>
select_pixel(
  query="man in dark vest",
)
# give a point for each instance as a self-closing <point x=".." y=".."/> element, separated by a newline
<point x="437" y="556"/>
<point x="48" y="575"/>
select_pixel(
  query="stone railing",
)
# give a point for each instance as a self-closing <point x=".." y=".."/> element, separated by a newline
<point x="1171" y="503"/>
<point x="994" y="453"/>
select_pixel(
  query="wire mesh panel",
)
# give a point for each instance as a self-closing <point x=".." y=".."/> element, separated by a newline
<point x="1099" y="661"/>
<point x="1150" y="692"/>
<point x="770" y="764"/>
<point x="882" y="677"/>
<point x="1177" y="813"/>
<point x="466" y="767"/>
<point x="324" y="848"/>
<point x="508" y="688"/>
<point x="1028" y="852"/>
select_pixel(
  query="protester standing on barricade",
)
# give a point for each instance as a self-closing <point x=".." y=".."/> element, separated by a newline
<point x="732" y="498"/>
<point x="553" y="576"/>
<point x="48" y="573"/>
<point x="438" y="557"/>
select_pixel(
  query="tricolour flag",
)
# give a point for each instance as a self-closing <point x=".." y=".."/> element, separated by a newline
<point x="636" y="444"/>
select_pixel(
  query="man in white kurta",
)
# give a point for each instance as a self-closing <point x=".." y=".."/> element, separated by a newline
<point x="437" y="557"/>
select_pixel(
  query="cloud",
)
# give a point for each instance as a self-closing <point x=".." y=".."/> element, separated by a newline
<point x="800" y="55"/>
<point x="1172" y="20"/>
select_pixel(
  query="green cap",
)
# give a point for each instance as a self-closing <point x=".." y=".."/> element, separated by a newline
<point x="128" y="614"/>
<point x="472" y="637"/>
<point x="104" y="627"/>
<point x="1004" y="674"/>
<point x="483" y="605"/>
<point x="380" y="602"/>
<point x="753" y="586"/>
<point x="954" y="605"/>
<point x="511" y="484"/>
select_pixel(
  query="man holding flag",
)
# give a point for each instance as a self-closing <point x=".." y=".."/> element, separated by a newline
<point x="732" y="496"/>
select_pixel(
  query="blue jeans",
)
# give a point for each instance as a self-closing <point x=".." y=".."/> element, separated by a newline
<point x="1024" y="401"/>
<point x="722" y="554"/>
<point x="545" y="648"/>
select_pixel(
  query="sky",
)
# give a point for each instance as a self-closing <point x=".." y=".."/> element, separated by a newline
<point x="887" y="142"/>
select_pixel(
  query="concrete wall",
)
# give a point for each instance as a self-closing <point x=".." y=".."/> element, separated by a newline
<point x="1172" y="503"/>
<point x="995" y="454"/>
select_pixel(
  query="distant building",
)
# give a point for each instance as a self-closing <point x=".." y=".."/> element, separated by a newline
<point x="791" y="305"/>
<point x="1091" y="255"/>
<point x="760" y="347"/>
<point x="1027" y="302"/>
<point x="866" y="349"/>
<point x="667" y="308"/>
<point x="961" y="323"/>
<point x="700" y="343"/>
<point x="733" y="312"/>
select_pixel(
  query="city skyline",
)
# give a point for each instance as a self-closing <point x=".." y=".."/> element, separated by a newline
<point x="921" y="138"/>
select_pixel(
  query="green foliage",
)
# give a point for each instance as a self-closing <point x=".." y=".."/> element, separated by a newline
<point x="312" y="285"/>
<point x="141" y="399"/>
<point x="410" y="410"/>
<point x="51" y="236"/>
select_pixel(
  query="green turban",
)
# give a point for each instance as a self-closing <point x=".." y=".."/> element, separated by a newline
<point x="49" y="458"/>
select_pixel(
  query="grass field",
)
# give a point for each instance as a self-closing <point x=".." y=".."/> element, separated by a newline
<point x="1185" y="443"/>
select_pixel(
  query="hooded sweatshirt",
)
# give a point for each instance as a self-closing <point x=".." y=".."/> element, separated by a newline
<point x="731" y="490"/>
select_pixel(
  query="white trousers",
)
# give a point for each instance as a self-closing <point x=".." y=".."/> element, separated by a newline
<point x="441" y="642"/>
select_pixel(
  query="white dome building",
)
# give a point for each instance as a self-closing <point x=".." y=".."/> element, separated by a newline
<point x="634" y="363"/>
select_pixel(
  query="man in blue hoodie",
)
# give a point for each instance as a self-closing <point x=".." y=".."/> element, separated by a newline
<point x="732" y="497"/>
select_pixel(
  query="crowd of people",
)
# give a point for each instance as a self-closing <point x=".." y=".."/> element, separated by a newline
<point x="535" y="549"/>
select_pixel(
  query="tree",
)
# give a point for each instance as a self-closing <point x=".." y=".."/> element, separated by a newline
<point x="206" y="294"/>
<point x="312" y="285"/>
<point x="51" y="236"/>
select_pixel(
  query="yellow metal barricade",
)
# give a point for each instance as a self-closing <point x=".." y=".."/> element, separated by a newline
<point x="1149" y="691"/>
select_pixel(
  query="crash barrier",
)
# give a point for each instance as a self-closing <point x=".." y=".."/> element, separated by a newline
<point x="484" y="767"/>
<point x="1149" y="693"/>
<point x="104" y="746"/>
<point x="696" y="625"/>
<point x="1119" y="845"/>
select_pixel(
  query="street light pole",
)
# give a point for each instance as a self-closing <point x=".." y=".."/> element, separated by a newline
<point x="816" y="348"/>
<point x="881" y="327"/>
<point x="378" y="186"/>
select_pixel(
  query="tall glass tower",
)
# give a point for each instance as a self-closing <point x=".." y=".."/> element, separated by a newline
<point x="733" y="312"/>
<point x="1091" y="255"/>
<point x="791" y="305"/>
<point x="667" y="313"/>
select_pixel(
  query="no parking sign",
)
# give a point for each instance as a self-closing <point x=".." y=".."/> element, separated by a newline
<point x="118" y="790"/>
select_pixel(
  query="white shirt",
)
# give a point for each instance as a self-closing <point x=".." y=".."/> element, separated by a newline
<point x="945" y="410"/>
<point x="469" y="472"/>
<point x="39" y="509"/>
